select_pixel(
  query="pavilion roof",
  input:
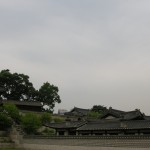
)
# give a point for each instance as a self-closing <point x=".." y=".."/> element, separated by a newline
<point x="67" y="124"/>
<point x="25" y="103"/>
<point x="78" y="111"/>
<point x="131" y="115"/>
<point x="114" y="112"/>
<point x="113" y="125"/>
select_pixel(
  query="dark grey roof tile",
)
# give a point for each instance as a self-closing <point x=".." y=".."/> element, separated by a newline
<point x="26" y="103"/>
<point x="68" y="124"/>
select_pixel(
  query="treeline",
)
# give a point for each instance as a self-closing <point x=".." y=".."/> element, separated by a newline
<point x="16" y="86"/>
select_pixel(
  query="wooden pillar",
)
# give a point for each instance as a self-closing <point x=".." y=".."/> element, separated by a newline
<point x="57" y="133"/>
<point x="137" y="133"/>
<point x="140" y="133"/>
<point x="77" y="133"/>
<point x="66" y="133"/>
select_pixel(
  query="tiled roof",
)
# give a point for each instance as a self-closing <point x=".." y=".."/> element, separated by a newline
<point x="78" y="111"/>
<point x="25" y="103"/>
<point x="81" y="110"/>
<point x="112" y="125"/>
<point x="131" y="115"/>
<point x="113" y="112"/>
<point x="69" y="124"/>
<point x="137" y="124"/>
<point x="146" y="117"/>
<point x="100" y="125"/>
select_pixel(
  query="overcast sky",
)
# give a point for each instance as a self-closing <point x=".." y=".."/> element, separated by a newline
<point x="96" y="51"/>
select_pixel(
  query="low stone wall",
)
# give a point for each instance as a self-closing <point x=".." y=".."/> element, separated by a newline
<point x="7" y="145"/>
<point x="86" y="142"/>
<point x="78" y="142"/>
<point x="11" y="138"/>
<point x="58" y="147"/>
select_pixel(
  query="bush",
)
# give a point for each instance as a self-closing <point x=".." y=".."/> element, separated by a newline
<point x="93" y="114"/>
<point x="12" y="111"/>
<point x="5" y="121"/>
<point x="58" y="119"/>
<point x="30" y="123"/>
<point x="46" y="118"/>
<point x="49" y="131"/>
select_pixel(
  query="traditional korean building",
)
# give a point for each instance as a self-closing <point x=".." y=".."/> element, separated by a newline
<point x="66" y="128"/>
<point x="77" y="114"/>
<point x="112" y="122"/>
<point x="110" y="127"/>
<point x="115" y="122"/>
<point x="112" y="114"/>
<point x="25" y="106"/>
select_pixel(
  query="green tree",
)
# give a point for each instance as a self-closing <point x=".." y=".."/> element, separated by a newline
<point x="93" y="114"/>
<point x="5" y="121"/>
<point x="46" y="118"/>
<point x="2" y="90"/>
<point x="99" y="108"/>
<point x="48" y="95"/>
<point x="58" y="119"/>
<point x="12" y="111"/>
<point x="16" y="86"/>
<point x="30" y="123"/>
<point x="48" y="131"/>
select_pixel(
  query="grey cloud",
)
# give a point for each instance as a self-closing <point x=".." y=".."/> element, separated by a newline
<point x="96" y="52"/>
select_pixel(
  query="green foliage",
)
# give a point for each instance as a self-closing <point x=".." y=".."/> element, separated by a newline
<point x="58" y="119"/>
<point x="46" y="118"/>
<point x="16" y="86"/>
<point x="48" y="95"/>
<point x="12" y="111"/>
<point x="5" y="121"/>
<point x="1" y="109"/>
<point x="49" y="131"/>
<point x="30" y="123"/>
<point x="93" y="114"/>
<point x="99" y="108"/>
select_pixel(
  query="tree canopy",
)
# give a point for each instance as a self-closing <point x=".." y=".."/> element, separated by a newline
<point x="99" y="108"/>
<point x="48" y="95"/>
<point x="15" y="86"/>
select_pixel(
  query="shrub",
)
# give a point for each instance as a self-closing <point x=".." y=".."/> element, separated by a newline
<point x="49" y="131"/>
<point x="12" y="111"/>
<point x="30" y="123"/>
<point x="93" y="114"/>
<point x="46" y="117"/>
<point x="5" y="121"/>
<point x="58" y="119"/>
